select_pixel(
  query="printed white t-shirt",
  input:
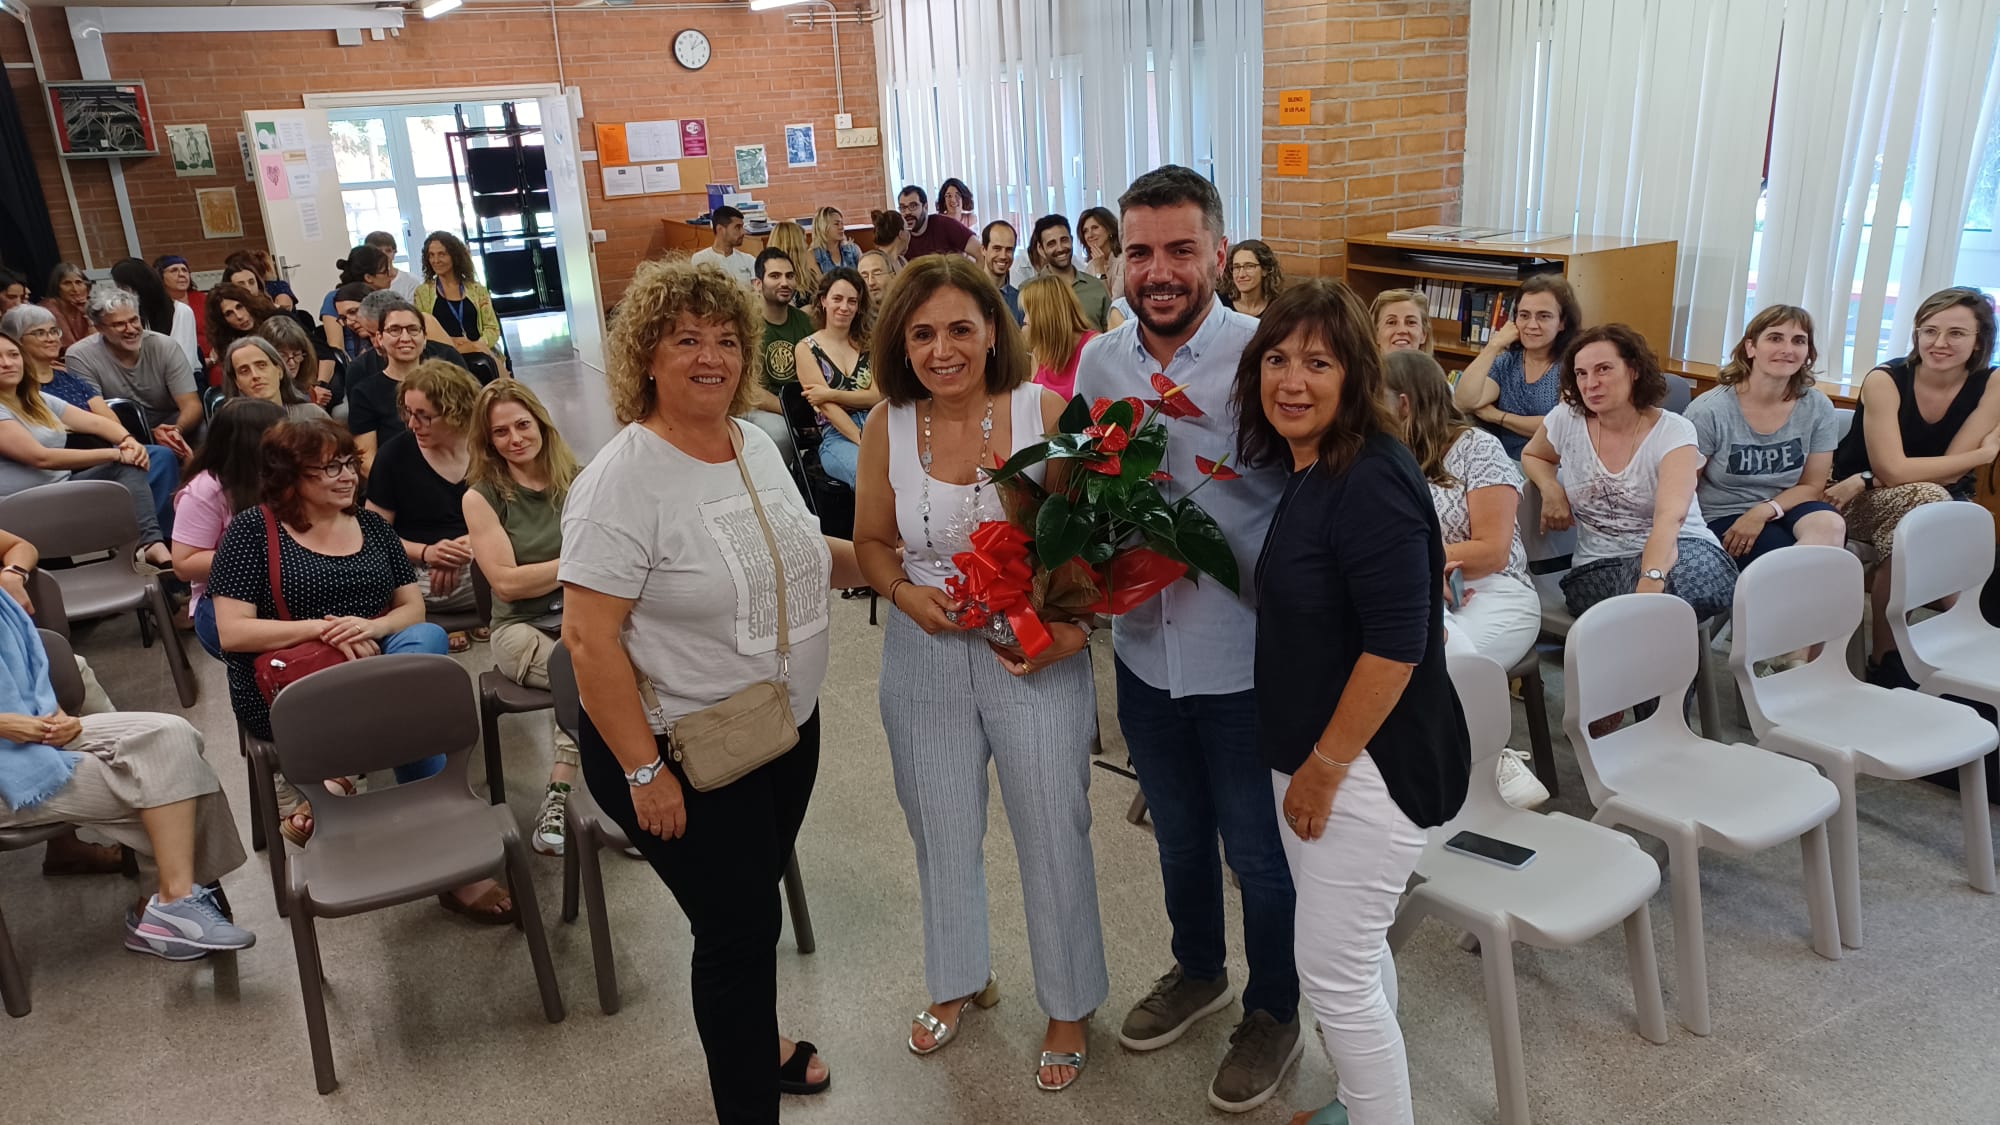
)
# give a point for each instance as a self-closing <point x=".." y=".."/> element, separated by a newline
<point x="679" y="537"/>
<point x="1614" y="511"/>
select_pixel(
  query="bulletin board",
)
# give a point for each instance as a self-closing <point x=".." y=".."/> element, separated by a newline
<point x="668" y="157"/>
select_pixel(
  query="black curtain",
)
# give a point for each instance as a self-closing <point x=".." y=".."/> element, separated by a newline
<point x="27" y="238"/>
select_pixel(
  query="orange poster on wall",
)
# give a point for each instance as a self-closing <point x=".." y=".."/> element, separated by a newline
<point x="611" y="146"/>
<point x="1291" y="160"/>
<point x="1295" y="107"/>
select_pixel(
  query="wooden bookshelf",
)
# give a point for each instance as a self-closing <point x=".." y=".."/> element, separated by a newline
<point x="1616" y="279"/>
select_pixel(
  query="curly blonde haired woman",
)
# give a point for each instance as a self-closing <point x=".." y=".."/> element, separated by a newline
<point x="656" y="591"/>
<point x="517" y="479"/>
<point x="417" y="483"/>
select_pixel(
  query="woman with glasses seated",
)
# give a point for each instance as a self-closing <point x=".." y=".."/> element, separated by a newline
<point x="418" y="485"/>
<point x="1254" y="279"/>
<point x="347" y="582"/>
<point x="1513" y="383"/>
<point x="41" y="345"/>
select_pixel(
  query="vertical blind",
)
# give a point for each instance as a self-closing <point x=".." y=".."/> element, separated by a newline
<point x="1056" y="105"/>
<point x="1660" y="118"/>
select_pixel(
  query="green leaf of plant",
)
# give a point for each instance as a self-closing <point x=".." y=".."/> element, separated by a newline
<point x="1021" y="462"/>
<point x="1059" y="534"/>
<point x="1075" y="416"/>
<point x="1151" y="514"/>
<point x="1201" y="543"/>
<point x="1140" y="460"/>
<point x="1119" y="413"/>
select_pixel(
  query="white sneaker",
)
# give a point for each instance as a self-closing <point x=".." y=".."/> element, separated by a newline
<point x="551" y="827"/>
<point x="1519" y="786"/>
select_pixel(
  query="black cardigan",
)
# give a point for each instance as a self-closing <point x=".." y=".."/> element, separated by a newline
<point x="1354" y="563"/>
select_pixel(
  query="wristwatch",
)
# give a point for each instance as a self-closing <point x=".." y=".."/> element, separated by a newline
<point x="1867" y="480"/>
<point x="644" y="775"/>
<point x="10" y="568"/>
<point x="1654" y="573"/>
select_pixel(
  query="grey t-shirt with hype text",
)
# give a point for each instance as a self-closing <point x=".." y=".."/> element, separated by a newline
<point x="1744" y="468"/>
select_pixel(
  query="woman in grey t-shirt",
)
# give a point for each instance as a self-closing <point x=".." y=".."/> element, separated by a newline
<point x="1766" y="438"/>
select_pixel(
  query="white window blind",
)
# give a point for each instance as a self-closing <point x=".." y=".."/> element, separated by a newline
<point x="1658" y="118"/>
<point x="1057" y="105"/>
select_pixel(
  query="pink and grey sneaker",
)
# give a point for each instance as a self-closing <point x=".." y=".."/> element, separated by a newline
<point x="185" y="929"/>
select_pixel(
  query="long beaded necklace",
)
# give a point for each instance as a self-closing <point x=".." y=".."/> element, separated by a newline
<point x="928" y="451"/>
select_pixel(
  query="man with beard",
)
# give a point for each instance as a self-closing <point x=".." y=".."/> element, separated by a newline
<point x="1054" y="253"/>
<point x="785" y="325"/>
<point x="1185" y="658"/>
<point x="125" y="359"/>
<point x="932" y="234"/>
<point x="996" y="253"/>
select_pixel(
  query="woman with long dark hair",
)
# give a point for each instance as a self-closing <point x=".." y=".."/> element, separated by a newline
<point x="1357" y="716"/>
<point x="1254" y="278"/>
<point x="225" y="477"/>
<point x="451" y="295"/>
<point x="1097" y="230"/>
<point x="1514" y="381"/>
<point x="233" y="313"/>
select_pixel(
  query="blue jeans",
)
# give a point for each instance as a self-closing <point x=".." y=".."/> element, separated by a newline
<point x="1203" y="775"/>
<point x="204" y="627"/>
<point x="1777" y="533"/>
<point x="163" y="476"/>
<point x="839" y="457"/>
<point x="421" y="637"/>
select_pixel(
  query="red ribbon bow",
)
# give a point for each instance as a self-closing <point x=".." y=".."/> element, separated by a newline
<point x="997" y="577"/>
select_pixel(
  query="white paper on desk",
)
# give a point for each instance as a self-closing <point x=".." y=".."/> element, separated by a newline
<point x="303" y="180"/>
<point x="291" y="135"/>
<point x="319" y="157"/>
<point x="660" y="178"/>
<point x="650" y="141"/>
<point x="622" y="180"/>
<point x="309" y="226"/>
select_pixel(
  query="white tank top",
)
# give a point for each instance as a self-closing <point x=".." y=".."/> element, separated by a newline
<point x="954" y="515"/>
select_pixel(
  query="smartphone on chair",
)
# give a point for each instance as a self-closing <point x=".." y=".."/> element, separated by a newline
<point x="1500" y="852"/>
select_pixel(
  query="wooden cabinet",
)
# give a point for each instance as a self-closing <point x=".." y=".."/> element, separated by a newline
<point x="1616" y="279"/>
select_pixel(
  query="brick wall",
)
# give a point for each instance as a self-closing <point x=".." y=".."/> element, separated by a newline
<point x="1387" y="137"/>
<point x="764" y="75"/>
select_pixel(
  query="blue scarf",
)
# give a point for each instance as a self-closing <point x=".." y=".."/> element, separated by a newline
<point x="30" y="772"/>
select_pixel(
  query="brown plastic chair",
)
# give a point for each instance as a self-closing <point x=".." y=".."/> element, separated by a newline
<point x="68" y="685"/>
<point x="50" y="612"/>
<point x="402" y="844"/>
<point x="75" y="518"/>
<point x="590" y="829"/>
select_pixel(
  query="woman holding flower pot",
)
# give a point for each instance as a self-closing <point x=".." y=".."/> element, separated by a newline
<point x="951" y="364"/>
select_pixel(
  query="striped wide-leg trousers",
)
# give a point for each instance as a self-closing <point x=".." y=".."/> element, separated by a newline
<point x="948" y="706"/>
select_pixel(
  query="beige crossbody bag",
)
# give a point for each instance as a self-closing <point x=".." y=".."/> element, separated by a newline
<point x="716" y="745"/>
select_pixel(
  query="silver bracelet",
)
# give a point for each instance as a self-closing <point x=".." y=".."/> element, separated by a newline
<point x="1329" y="761"/>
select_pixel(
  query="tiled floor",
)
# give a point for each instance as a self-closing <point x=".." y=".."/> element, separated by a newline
<point x="436" y="1020"/>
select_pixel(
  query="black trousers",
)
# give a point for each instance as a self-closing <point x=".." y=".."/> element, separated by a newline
<point x="738" y="839"/>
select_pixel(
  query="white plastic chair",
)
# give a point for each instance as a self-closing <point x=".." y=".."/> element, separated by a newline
<point x="1946" y="551"/>
<point x="1659" y="777"/>
<point x="1549" y="559"/>
<point x="1584" y="880"/>
<point x="1820" y="713"/>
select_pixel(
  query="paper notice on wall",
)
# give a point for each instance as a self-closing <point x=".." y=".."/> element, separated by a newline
<point x="309" y="227"/>
<point x="319" y="157"/>
<point x="652" y="141"/>
<point x="271" y="176"/>
<point x="622" y="181"/>
<point x="694" y="137"/>
<point x="611" y="147"/>
<point x="304" y="181"/>
<point x="249" y="165"/>
<point x="291" y="135"/>
<point x="659" y="178"/>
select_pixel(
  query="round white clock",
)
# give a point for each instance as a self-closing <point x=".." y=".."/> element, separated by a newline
<point x="691" y="49"/>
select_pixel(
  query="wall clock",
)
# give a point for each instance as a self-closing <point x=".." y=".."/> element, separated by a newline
<point x="691" y="49"/>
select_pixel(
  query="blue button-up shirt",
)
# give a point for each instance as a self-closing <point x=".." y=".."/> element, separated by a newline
<point x="1194" y="638"/>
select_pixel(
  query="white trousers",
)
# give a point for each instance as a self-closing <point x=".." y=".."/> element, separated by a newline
<point x="1500" y="620"/>
<point x="1348" y="883"/>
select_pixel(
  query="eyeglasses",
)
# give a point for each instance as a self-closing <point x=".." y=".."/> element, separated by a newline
<point x="335" y="469"/>
<point x="418" y="417"/>
<point x="403" y="330"/>
<point x="48" y="331"/>
<point x="1245" y="267"/>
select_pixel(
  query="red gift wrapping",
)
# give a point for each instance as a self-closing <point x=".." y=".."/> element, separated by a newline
<point x="998" y="578"/>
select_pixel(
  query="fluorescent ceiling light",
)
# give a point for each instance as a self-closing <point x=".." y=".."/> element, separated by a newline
<point x="767" y="5"/>
<point x="436" y="8"/>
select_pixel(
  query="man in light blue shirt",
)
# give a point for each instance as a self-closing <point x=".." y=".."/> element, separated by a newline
<point x="1185" y="659"/>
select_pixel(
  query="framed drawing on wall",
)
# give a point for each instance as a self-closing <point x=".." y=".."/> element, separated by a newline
<point x="753" y="169"/>
<point x="800" y="149"/>
<point x="219" y="215"/>
<point x="193" y="155"/>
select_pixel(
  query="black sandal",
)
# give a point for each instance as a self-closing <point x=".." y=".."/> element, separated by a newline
<point x="792" y="1075"/>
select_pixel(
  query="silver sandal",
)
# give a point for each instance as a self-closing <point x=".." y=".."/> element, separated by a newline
<point x="1060" y="1058"/>
<point x="942" y="1033"/>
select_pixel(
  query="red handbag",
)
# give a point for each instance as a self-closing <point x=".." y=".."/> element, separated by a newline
<point x="281" y="667"/>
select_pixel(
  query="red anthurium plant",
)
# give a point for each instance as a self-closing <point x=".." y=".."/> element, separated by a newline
<point x="1097" y="537"/>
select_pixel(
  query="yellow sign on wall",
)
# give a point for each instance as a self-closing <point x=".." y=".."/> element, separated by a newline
<point x="1295" y="107"/>
<point x="1291" y="160"/>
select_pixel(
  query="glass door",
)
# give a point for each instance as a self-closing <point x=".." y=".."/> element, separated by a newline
<point x="394" y="165"/>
